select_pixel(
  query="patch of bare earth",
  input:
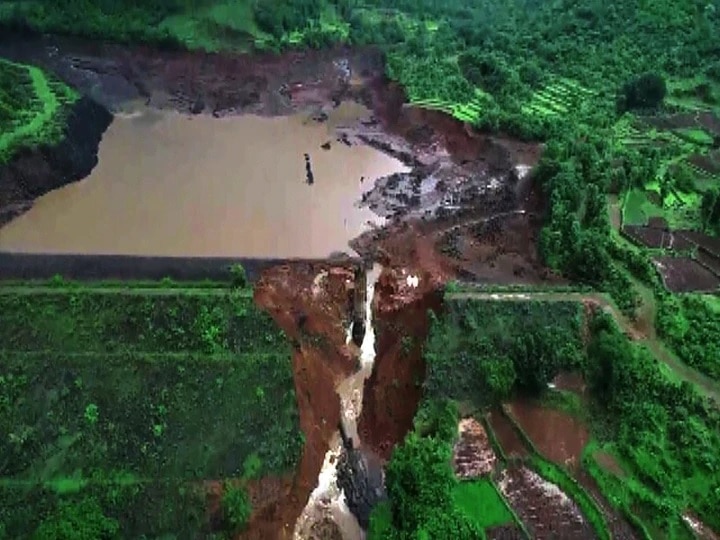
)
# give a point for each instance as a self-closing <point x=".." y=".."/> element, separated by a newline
<point x="314" y="314"/>
<point x="473" y="455"/>
<point x="544" y="509"/>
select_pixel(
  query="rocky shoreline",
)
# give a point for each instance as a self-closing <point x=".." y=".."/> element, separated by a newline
<point x="34" y="171"/>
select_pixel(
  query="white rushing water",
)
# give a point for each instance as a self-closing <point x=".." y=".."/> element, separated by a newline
<point x="327" y="501"/>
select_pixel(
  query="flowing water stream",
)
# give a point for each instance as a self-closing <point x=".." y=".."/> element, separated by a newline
<point x="327" y="501"/>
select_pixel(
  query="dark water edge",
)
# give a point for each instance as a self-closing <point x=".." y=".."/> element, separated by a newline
<point x="24" y="266"/>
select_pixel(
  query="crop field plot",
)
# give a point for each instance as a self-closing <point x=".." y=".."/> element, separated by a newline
<point x="557" y="98"/>
<point x="679" y="210"/>
<point x="481" y="502"/>
<point x="684" y="274"/>
<point x="31" y="105"/>
<point x="466" y="112"/>
<point x="140" y="393"/>
<point x="693" y="94"/>
<point x="544" y="509"/>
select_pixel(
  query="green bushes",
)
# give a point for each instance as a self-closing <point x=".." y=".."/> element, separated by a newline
<point x="665" y="432"/>
<point x="480" y="351"/>
<point x="135" y="392"/>
<point x="420" y="483"/>
<point x="117" y="321"/>
<point x="692" y="328"/>
<point x="33" y="107"/>
<point x="236" y="507"/>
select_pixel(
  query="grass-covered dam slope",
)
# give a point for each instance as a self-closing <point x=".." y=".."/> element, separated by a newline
<point x="33" y="108"/>
<point x="631" y="450"/>
<point x="119" y="404"/>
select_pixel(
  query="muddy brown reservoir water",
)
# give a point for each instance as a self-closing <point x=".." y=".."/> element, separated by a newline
<point x="171" y="184"/>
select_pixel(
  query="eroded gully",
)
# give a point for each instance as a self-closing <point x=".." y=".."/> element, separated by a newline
<point x="327" y="512"/>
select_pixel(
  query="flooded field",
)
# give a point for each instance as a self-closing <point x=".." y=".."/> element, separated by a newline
<point x="506" y="435"/>
<point x="544" y="509"/>
<point x="557" y="435"/>
<point x="172" y="184"/>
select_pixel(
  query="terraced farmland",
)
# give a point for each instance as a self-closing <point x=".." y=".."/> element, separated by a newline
<point x="466" y="112"/>
<point x="31" y="107"/>
<point x="557" y="98"/>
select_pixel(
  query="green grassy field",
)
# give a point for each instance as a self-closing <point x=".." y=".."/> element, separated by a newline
<point x="32" y="107"/>
<point x="141" y="392"/>
<point x="481" y="502"/>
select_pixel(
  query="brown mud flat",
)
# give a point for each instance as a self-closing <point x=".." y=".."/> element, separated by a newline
<point x="198" y="82"/>
<point x="544" y="509"/>
<point x="683" y="274"/>
<point x="557" y="435"/>
<point x="314" y="313"/>
<point x="473" y="455"/>
<point x="510" y="442"/>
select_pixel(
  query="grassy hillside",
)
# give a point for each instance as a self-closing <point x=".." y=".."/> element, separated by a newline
<point x="129" y="397"/>
<point x="32" y="107"/>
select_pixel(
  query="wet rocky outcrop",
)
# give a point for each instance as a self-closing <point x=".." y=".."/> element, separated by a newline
<point x="361" y="477"/>
<point x="33" y="171"/>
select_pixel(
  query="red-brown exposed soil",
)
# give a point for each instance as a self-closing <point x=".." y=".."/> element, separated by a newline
<point x="683" y="274"/>
<point x="315" y="318"/>
<point x="557" y="435"/>
<point x="392" y="392"/>
<point x="546" y="512"/>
